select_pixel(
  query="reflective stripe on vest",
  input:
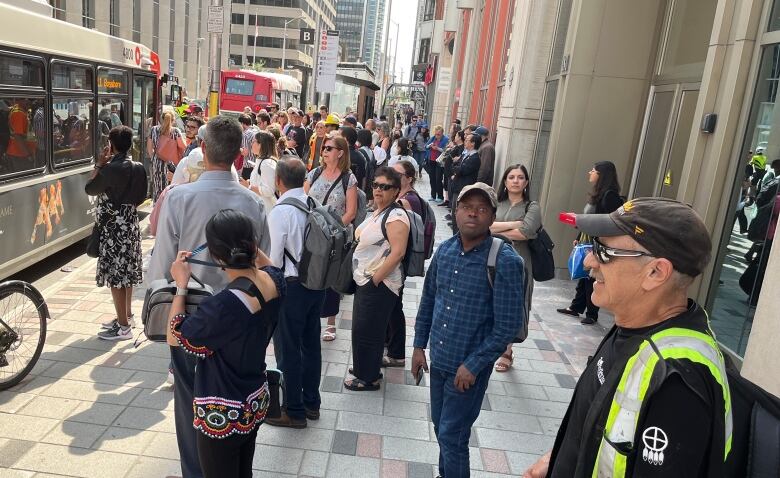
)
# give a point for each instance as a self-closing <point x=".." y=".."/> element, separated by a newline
<point x="673" y="343"/>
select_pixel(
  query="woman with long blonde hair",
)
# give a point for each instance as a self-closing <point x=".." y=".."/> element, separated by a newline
<point x="159" y="137"/>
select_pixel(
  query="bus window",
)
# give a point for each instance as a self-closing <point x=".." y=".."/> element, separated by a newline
<point x="72" y="138"/>
<point x="21" y="71"/>
<point x="234" y="86"/>
<point x="111" y="113"/>
<point x="71" y="77"/>
<point x="22" y="135"/>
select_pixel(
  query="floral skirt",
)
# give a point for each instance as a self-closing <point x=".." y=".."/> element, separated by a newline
<point x="119" y="259"/>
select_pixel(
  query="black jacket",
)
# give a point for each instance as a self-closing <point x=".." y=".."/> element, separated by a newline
<point x="466" y="171"/>
<point x="114" y="179"/>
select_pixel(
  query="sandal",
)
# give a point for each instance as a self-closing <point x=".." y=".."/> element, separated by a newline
<point x="392" y="362"/>
<point x="329" y="335"/>
<point x="504" y="362"/>
<point x="351" y="372"/>
<point x="357" y="385"/>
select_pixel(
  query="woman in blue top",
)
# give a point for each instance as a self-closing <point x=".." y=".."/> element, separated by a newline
<point x="229" y="332"/>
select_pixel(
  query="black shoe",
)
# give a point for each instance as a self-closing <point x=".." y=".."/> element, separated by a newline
<point x="589" y="320"/>
<point x="567" y="311"/>
<point x="312" y="414"/>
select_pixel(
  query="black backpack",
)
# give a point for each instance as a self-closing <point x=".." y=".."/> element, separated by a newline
<point x="541" y="254"/>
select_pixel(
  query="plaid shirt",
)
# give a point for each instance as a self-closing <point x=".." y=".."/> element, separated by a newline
<point x="467" y="322"/>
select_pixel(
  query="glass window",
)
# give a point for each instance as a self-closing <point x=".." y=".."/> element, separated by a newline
<point x="112" y="81"/>
<point x="751" y="220"/>
<point x="687" y="40"/>
<point x="111" y="113"/>
<point x="774" y="18"/>
<point x="18" y="71"/>
<point x="22" y="135"/>
<point x="72" y="77"/>
<point x="72" y="129"/>
<point x="234" y="86"/>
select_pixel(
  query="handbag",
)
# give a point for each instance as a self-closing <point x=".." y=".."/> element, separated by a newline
<point x="157" y="304"/>
<point x="93" y="243"/>
<point x="168" y="149"/>
<point x="541" y="254"/>
<point x="576" y="264"/>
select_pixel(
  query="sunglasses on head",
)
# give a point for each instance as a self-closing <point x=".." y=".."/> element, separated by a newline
<point x="382" y="186"/>
<point x="604" y="253"/>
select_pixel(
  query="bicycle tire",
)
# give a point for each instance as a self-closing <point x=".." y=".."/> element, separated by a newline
<point x="20" y="287"/>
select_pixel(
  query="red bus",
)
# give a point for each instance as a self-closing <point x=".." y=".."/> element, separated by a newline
<point x="240" y="88"/>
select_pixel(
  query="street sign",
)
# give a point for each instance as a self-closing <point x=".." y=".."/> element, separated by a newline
<point x="327" y="61"/>
<point x="171" y="66"/>
<point x="216" y="20"/>
<point x="419" y="76"/>
<point x="307" y="36"/>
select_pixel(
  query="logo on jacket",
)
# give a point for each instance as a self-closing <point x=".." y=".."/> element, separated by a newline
<point x="655" y="441"/>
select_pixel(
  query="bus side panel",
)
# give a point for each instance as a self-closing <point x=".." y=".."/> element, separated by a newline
<point x="33" y="216"/>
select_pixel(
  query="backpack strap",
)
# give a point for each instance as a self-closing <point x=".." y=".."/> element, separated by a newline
<point x="344" y="180"/>
<point x="303" y="207"/>
<point x="495" y="247"/>
<point x="386" y="214"/>
<point x="246" y="285"/>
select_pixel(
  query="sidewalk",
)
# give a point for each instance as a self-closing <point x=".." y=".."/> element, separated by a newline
<point x="102" y="409"/>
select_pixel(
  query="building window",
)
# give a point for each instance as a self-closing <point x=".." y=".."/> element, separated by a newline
<point x="156" y="25"/>
<point x="137" y="21"/>
<point x="59" y="8"/>
<point x="237" y="18"/>
<point x="113" y="17"/>
<point x="425" y="50"/>
<point x="88" y="13"/>
<point x="429" y="10"/>
<point x="172" y="30"/>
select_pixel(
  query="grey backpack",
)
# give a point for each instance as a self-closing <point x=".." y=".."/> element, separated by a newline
<point x="413" y="262"/>
<point x="326" y="244"/>
<point x="362" y="202"/>
<point x="495" y="248"/>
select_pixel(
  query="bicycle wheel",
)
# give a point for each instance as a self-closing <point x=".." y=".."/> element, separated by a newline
<point x="23" y="315"/>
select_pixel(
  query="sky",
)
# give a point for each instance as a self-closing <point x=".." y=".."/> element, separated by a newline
<point x="404" y="14"/>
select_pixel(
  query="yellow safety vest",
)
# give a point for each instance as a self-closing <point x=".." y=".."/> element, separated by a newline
<point x="673" y="343"/>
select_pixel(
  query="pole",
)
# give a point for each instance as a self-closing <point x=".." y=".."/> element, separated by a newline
<point x="395" y="54"/>
<point x="197" y="82"/>
<point x="215" y="65"/>
<point x="284" y="44"/>
<point x="383" y="82"/>
<point x="254" y="42"/>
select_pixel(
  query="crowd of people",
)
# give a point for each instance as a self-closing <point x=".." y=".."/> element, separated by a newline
<point x="239" y="193"/>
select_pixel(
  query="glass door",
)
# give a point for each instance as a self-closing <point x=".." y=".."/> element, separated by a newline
<point x="684" y="123"/>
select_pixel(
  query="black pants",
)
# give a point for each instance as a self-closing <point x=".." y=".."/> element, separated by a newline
<point x="372" y="308"/>
<point x="229" y="457"/>
<point x="183" y="366"/>
<point x="396" y="330"/>
<point x="581" y="302"/>
<point x="435" y="173"/>
<point x="331" y="305"/>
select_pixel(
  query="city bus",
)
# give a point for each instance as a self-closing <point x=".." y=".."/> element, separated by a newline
<point x="240" y="88"/>
<point x="62" y="88"/>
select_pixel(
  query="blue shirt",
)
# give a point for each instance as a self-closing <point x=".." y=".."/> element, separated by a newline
<point x="466" y="321"/>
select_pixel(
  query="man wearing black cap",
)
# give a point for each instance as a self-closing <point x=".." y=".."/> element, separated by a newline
<point x="487" y="156"/>
<point x="466" y="321"/>
<point x="654" y="399"/>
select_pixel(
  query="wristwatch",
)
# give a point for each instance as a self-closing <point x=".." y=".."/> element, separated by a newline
<point x="181" y="291"/>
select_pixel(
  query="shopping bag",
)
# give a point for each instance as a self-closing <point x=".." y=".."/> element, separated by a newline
<point x="577" y="257"/>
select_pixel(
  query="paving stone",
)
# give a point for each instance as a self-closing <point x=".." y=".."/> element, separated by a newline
<point x="393" y="469"/>
<point x="11" y="402"/>
<point x="12" y="450"/>
<point x="519" y="462"/>
<point x="163" y="445"/>
<point x="147" y="467"/>
<point x="345" y="325"/>
<point x="559" y="394"/>
<point x="385" y="426"/>
<point x="47" y="458"/>
<point x="74" y="434"/>
<point x="96" y="413"/>
<point x="155" y="399"/>
<point x="566" y="381"/>
<point x="125" y="440"/>
<point x="314" y="464"/>
<point x="364" y="402"/>
<point x="494" y="461"/>
<point x="56" y="338"/>
<point x="539" y="408"/>
<point x="19" y="474"/>
<point x="514" y="441"/>
<point x="307" y="439"/>
<point x="93" y="392"/>
<point x="277" y="459"/>
<point x="332" y="384"/>
<point x="22" y="427"/>
<point x="473" y="439"/>
<point x="508" y="421"/>
<point x="524" y="390"/>
<point x="49" y="407"/>
<point x="146" y="419"/>
<point x="419" y="470"/>
<point x="345" y="442"/>
<point x="542" y="344"/>
<point x="405" y="449"/>
<point x="407" y="392"/>
<point x="344" y="466"/>
<point x="406" y="409"/>
<point x="369" y="445"/>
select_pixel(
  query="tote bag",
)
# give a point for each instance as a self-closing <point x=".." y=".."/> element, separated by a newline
<point x="577" y="257"/>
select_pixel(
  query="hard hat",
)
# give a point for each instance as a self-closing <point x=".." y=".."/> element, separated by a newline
<point x="332" y="119"/>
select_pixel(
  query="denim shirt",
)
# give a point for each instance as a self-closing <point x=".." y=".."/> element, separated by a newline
<point x="465" y="321"/>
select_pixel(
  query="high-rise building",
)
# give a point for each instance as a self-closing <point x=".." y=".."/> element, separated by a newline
<point x="257" y="29"/>
<point x="174" y="29"/>
<point x="373" y="33"/>
<point x="361" y="29"/>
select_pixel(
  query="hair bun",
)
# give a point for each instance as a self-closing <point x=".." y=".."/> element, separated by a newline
<point x="239" y="257"/>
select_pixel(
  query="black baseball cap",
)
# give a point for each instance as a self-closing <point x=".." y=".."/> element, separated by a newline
<point x="665" y="227"/>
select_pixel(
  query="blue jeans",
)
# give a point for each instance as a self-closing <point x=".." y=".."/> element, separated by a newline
<point x="453" y="413"/>
<point x="297" y="348"/>
<point x="419" y="156"/>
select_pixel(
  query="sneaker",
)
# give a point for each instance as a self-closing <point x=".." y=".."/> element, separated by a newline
<point x="116" y="333"/>
<point x="113" y="322"/>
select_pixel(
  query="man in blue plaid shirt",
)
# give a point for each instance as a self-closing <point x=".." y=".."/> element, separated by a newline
<point x="467" y="322"/>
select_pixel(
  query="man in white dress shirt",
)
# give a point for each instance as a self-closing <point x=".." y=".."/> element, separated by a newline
<point x="297" y="337"/>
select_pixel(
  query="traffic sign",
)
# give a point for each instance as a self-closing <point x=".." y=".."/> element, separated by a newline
<point x="306" y="36"/>
<point x="216" y="20"/>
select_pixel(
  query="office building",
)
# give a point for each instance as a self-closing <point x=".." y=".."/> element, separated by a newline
<point x="361" y="26"/>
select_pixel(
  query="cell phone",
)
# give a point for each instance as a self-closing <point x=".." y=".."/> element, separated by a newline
<point x="420" y="372"/>
<point x="171" y="167"/>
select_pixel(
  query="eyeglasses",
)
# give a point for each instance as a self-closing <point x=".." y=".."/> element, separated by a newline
<point x="604" y="254"/>
<point x="481" y="210"/>
<point x="329" y="148"/>
<point x="382" y="186"/>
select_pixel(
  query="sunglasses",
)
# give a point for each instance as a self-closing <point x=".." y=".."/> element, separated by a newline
<point x="382" y="186"/>
<point x="604" y="254"/>
<point x="329" y="148"/>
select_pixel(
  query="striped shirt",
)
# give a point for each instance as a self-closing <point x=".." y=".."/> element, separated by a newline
<point x="465" y="321"/>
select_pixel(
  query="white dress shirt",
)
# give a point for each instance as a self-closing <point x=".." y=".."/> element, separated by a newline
<point x="286" y="225"/>
<point x="182" y="175"/>
<point x="264" y="178"/>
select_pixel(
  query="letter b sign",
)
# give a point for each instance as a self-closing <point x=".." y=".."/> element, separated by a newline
<point x="307" y="36"/>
